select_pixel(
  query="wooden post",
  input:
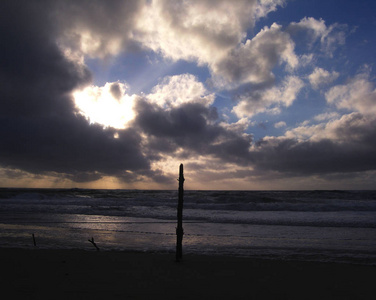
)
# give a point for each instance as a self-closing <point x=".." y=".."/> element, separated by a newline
<point x="179" y="228"/>
<point x="35" y="243"/>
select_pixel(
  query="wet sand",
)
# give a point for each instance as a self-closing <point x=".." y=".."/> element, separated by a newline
<point x="79" y="274"/>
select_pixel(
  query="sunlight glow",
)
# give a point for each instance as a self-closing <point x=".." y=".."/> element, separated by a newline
<point x="108" y="105"/>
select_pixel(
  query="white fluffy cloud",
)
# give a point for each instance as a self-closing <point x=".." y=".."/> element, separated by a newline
<point x="176" y="90"/>
<point x="194" y="30"/>
<point x="359" y="94"/>
<point x="253" y="61"/>
<point x="240" y="126"/>
<point x="208" y="32"/>
<point x="316" y="28"/>
<point x="329" y="37"/>
<point x="348" y="128"/>
<point x="321" y="77"/>
<point x="212" y="33"/>
<point x="202" y="30"/>
<point x="326" y="116"/>
<point x="266" y="6"/>
<point x="280" y="124"/>
<point x="98" y="30"/>
<point x="270" y="100"/>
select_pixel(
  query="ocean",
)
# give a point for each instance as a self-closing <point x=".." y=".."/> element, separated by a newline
<point x="328" y="226"/>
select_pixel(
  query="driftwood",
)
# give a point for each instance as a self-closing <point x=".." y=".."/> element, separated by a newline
<point x="179" y="228"/>
<point x="94" y="244"/>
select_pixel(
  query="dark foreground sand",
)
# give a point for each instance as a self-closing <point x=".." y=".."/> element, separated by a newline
<point x="75" y="274"/>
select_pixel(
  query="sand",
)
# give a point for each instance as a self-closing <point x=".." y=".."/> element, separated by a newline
<point x="79" y="274"/>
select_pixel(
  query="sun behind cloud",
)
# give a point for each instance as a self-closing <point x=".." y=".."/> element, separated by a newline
<point x="108" y="105"/>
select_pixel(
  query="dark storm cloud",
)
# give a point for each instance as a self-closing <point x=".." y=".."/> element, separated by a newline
<point x="189" y="127"/>
<point x="39" y="129"/>
<point x="116" y="91"/>
<point x="34" y="74"/>
<point x="354" y="153"/>
<point x="186" y="124"/>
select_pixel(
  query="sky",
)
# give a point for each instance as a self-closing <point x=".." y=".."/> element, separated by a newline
<point x="247" y="94"/>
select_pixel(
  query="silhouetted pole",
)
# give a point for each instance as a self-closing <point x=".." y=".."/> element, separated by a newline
<point x="35" y="243"/>
<point x="179" y="229"/>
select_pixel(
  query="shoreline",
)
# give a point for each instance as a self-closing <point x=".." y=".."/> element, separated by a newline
<point x="84" y="274"/>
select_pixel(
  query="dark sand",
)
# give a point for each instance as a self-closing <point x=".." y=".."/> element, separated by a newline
<point x="76" y="274"/>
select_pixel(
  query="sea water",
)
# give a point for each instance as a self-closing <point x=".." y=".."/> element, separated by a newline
<point x="338" y="226"/>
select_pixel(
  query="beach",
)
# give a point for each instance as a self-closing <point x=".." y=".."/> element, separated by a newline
<point x="326" y="226"/>
<point x="81" y="274"/>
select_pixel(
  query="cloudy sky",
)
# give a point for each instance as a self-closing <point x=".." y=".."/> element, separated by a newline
<point x="248" y="94"/>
